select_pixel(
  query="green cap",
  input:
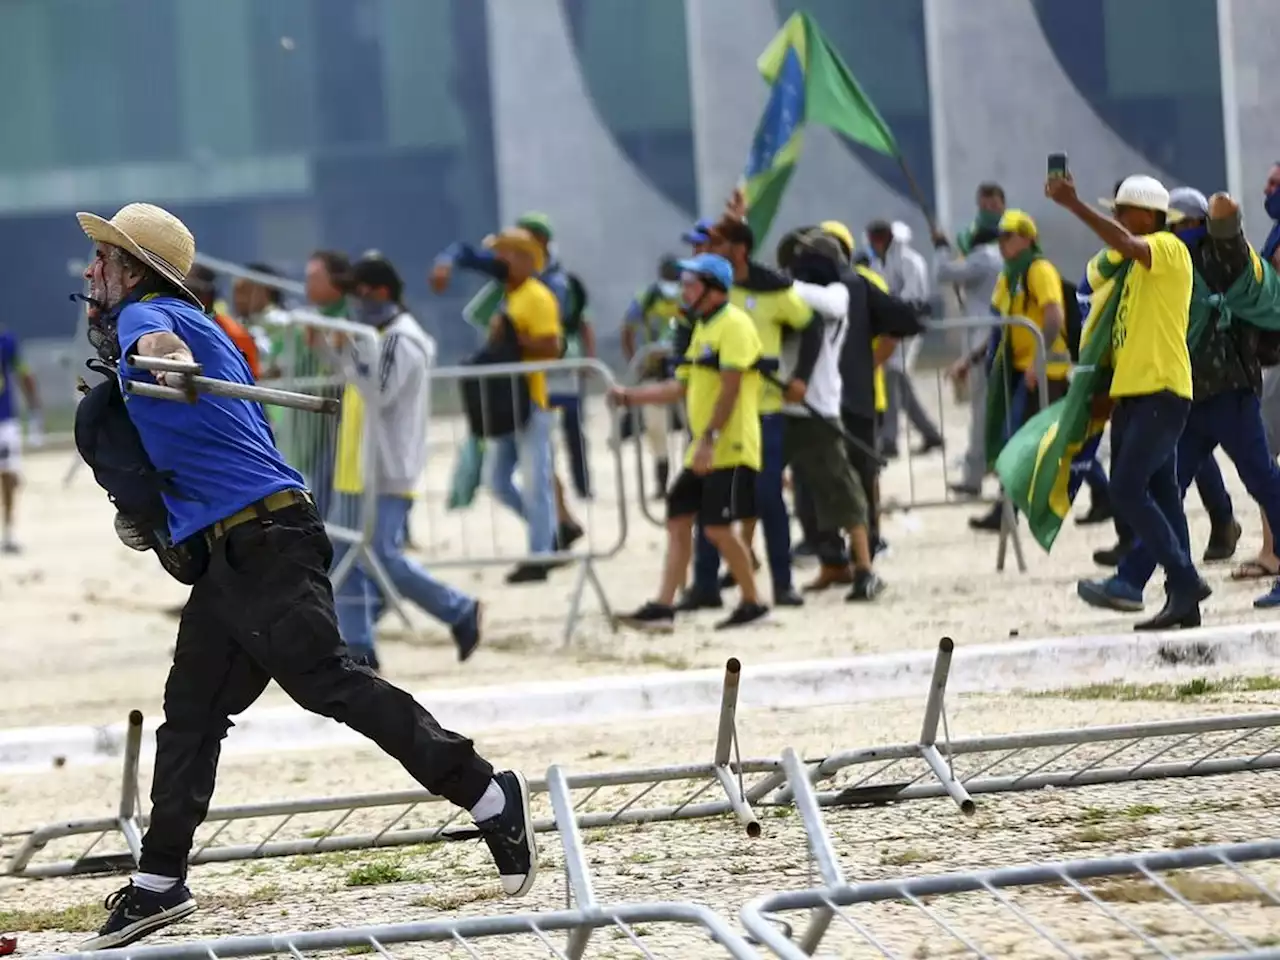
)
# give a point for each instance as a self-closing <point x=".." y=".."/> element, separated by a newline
<point x="536" y="222"/>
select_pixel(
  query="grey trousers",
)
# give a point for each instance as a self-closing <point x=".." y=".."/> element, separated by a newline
<point x="901" y="397"/>
<point x="975" y="458"/>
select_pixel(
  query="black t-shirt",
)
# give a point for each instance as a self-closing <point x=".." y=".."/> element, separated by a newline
<point x="857" y="358"/>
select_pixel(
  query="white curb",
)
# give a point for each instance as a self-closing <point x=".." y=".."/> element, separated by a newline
<point x="988" y="668"/>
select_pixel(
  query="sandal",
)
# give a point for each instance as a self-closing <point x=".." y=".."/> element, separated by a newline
<point x="1253" y="570"/>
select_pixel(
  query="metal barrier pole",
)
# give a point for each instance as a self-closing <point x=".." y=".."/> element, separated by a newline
<point x="929" y="731"/>
<point x="632" y="377"/>
<point x="820" y="847"/>
<point x="129" y="820"/>
<point x="726" y="740"/>
<point x="577" y="872"/>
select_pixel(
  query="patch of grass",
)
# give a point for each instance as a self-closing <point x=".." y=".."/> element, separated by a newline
<point x="671" y="661"/>
<point x="75" y="919"/>
<point x="1108" y="833"/>
<point x="640" y="930"/>
<point x="379" y="872"/>
<point x="267" y="893"/>
<point x="903" y="857"/>
<point x="642" y="856"/>
<point x="444" y="902"/>
<point x="1195" y="889"/>
<point x="1139" y="810"/>
<point x="1093" y="815"/>
<point x="321" y="861"/>
<point x="1166" y="692"/>
<point x="594" y="836"/>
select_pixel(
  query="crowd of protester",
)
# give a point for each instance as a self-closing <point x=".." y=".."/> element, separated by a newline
<point x="793" y="375"/>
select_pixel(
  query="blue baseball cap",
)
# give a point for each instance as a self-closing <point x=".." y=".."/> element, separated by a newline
<point x="710" y="266"/>
<point x="700" y="232"/>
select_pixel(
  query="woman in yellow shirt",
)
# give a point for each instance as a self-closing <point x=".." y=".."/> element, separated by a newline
<point x="1151" y="381"/>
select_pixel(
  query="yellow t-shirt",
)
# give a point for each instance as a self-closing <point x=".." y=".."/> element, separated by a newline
<point x="534" y="312"/>
<point x="1044" y="284"/>
<point x="1149" y="338"/>
<point x="882" y="392"/>
<point x="730" y="336"/>
<point x="772" y="310"/>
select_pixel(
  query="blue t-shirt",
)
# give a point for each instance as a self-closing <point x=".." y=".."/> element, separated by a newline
<point x="9" y="368"/>
<point x="220" y="451"/>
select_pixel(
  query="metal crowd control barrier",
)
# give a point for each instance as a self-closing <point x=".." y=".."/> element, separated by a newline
<point x="1200" y="902"/>
<point x="710" y="934"/>
<point x="502" y="536"/>
<point x="1008" y="527"/>
<point x="653" y="432"/>
<point x="725" y="786"/>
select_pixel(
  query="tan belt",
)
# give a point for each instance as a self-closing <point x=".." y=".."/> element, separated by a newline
<point x="259" y="508"/>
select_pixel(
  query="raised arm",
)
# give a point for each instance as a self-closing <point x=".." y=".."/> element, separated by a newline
<point x="1062" y="191"/>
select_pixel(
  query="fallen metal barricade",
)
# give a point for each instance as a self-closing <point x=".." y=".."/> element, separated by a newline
<point x="963" y="768"/>
<point x="1198" y="902"/>
<point x="727" y="786"/>
<point x="466" y="537"/>
<point x="708" y="934"/>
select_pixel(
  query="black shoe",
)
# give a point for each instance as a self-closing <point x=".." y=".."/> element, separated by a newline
<point x="651" y="618"/>
<point x="466" y="633"/>
<point x="965" y="491"/>
<point x="889" y="451"/>
<point x="989" y="522"/>
<point x="134" y="913"/>
<point x="743" y="614"/>
<point x="663" y="477"/>
<point x="866" y="587"/>
<point x="1099" y="512"/>
<point x="726" y="580"/>
<point x="802" y="551"/>
<point x="694" y="600"/>
<point x="926" y="448"/>
<point x="529" y="573"/>
<point x="787" y="598"/>
<point x="567" y="534"/>
<point x="1180" y="610"/>
<point x="1111" y="556"/>
<point x="510" y="836"/>
<point x="880" y="548"/>
<point x="1222" y="542"/>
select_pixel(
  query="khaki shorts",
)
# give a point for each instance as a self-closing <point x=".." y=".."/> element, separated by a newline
<point x="815" y="451"/>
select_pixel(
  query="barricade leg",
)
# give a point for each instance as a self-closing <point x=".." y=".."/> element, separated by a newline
<point x="935" y="710"/>
<point x="130" y="824"/>
<point x="726" y="741"/>
<point x="586" y="575"/>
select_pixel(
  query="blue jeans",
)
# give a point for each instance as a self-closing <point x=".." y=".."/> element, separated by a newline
<point x="1232" y="421"/>
<point x="570" y="406"/>
<point x="1145" y="492"/>
<point x="772" y="511"/>
<point x="529" y="450"/>
<point x="359" y="601"/>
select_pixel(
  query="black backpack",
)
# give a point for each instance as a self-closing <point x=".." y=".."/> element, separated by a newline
<point x="109" y="443"/>
<point x="497" y="406"/>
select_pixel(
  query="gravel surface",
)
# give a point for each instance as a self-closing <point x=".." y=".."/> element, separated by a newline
<point x="712" y="861"/>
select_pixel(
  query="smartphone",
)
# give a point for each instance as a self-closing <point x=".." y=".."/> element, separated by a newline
<point x="1057" y="165"/>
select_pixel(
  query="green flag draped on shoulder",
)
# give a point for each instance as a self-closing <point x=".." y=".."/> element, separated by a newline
<point x="810" y="83"/>
<point x="1043" y="464"/>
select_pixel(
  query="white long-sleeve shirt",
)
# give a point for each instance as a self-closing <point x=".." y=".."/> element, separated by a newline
<point x="830" y="305"/>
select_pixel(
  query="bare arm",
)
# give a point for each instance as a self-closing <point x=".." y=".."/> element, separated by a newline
<point x="884" y="350"/>
<point x="1062" y="191"/>
<point x="588" y="339"/>
<point x="163" y="344"/>
<point x="628" y="342"/>
<point x="1053" y="320"/>
<point x="653" y="394"/>
<point x="28" y="383"/>
<point x="540" y="348"/>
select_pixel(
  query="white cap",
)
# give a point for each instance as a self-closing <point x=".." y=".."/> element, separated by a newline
<point x="901" y="232"/>
<point x="1145" y="193"/>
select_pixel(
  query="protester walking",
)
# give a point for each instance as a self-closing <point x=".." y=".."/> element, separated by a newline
<point x="1226" y="381"/>
<point x="402" y="379"/>
<point x="1151" y="386"/>
<point x="720" y="383"/>
<point x="263" y="608"/>
<point x="907" y="274"/>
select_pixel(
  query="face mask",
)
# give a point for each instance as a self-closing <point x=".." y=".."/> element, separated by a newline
<point x="374" y="313"/>
<point x="1273" y="206"/>
<point x="669" y="289"/>
<point x="1192" y="236"/>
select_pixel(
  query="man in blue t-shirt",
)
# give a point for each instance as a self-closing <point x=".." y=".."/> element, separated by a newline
<point x="13" y="373"/>
<point x="263" y="609"/>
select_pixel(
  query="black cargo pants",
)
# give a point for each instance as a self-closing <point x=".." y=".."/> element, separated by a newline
<point x="264" y="611"/>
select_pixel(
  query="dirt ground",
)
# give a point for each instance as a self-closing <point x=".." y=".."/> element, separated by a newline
<point x="94" y="619"/>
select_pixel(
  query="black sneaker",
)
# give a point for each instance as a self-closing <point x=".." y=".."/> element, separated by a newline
<point x="989" y="522"/>
<point x="651" y="618"/>
<point x="567" y="534"/>
<point x="135" y="912"/>
<point x="787" y="598"/>
<point x="694" y="600"/>
<point x="743" y="614"/>
<point x="510" y="836"/>
<point x="529" y="573"/>
<point x="1111" y="556"/>
<point x="866" y="587"/>
<point x="466" y="632"/>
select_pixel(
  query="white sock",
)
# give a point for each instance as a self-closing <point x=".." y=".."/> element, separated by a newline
<point x="153" y="882"/>
<point x="491" y="804"/>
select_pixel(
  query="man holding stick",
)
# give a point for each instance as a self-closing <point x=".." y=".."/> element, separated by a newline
<point x="263" y="608"/>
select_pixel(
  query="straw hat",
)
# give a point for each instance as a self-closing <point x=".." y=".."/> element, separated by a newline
<point x="519" y="240"/>
<point x="153" y="235"/>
